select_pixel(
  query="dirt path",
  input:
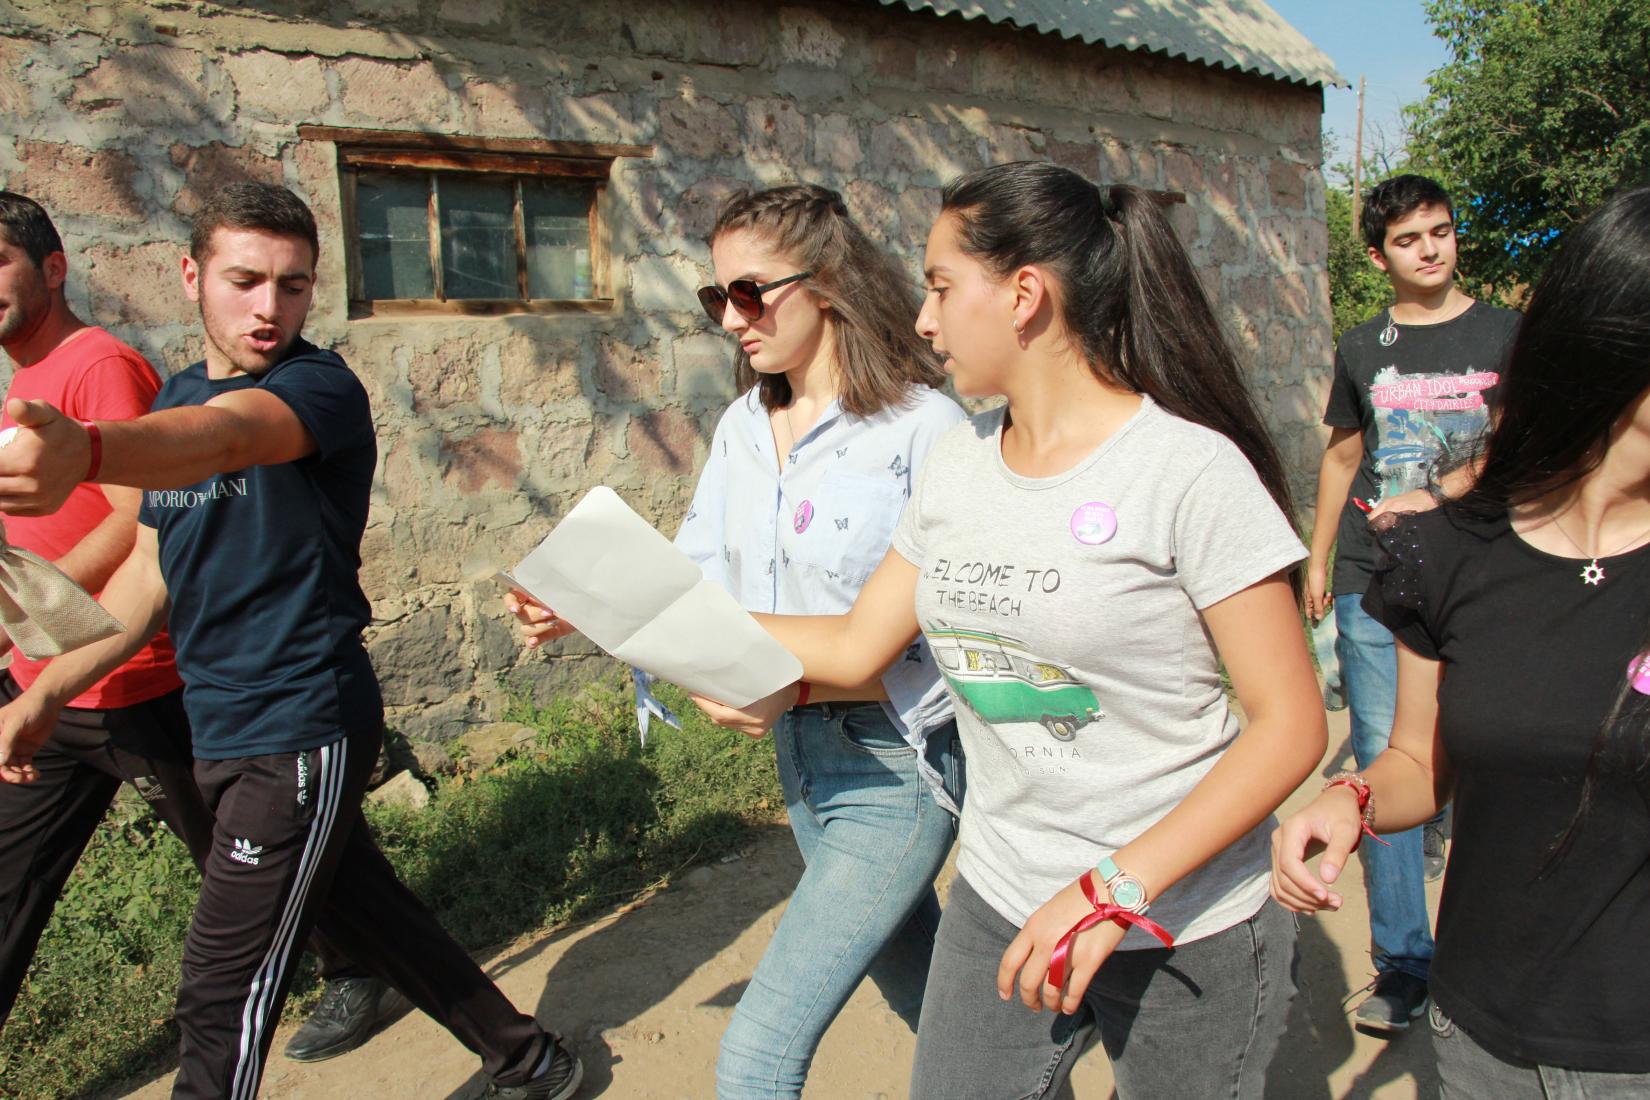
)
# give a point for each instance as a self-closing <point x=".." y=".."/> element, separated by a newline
<point x="644" y="994"/>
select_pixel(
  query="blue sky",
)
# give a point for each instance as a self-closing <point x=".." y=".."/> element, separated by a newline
<point x="1388" y="42"/>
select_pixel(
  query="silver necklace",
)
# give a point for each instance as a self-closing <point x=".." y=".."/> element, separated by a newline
<point x="1593" y="573"/>
<point x="1389" y="335"/>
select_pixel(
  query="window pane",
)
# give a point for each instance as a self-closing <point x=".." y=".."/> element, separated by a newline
<point x="478" y="237"/>
<point x="558" y="238"/>
<point x="394" y="217"/>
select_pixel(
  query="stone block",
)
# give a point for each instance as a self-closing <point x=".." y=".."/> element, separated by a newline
<point x="697" y="128"/>
<point x="1278" y="240"/>
<point x="206" y="168"/>
<point x="606" y="116"/>
<point x="445" y="375"/>
<point x="1116" y="164"/>
<point x="404" y="789"/>
<point x="533" y="371"/>
<point x="141" y="284"/>
<point x="704" y="370"/>
<point x="417" y="657"/>
<point x="664" y="442"/>
<point x="697" y="209"/>
<point x="664" y="283"/>
<point x="872" y="206"/>
<point x="626" y="373"/>
<point x="16" y="99"/>
<point x="1006" y="143"/>
<point x="472" y="13"/>
<point x="808" y="37"/>
<point x="149" y="85"/>
<point x="894" y="59"/>
<point x="1313" y="246"/>
<point x="497" y="110"/>
<point x="67" y="179"/>
<point x="1182" y="170"/>
<point x="775" y="131"/>
<point x="1288" y="185"/>
<point x="836" y="143"/>
<point x="1082" y="157"/>
<point x="918" y="208"/>
<point x="278" y="86"/>
<point x="406" y="476"/>
<point x="411" y="96"/>
<point x="492" y="456"/>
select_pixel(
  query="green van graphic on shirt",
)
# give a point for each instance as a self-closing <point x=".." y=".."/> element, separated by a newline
<point x="1001" y="681"/>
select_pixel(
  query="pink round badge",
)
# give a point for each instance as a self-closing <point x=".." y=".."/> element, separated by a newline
<point x="1093" y="523"/>
<point x="803" y="516"/>
<point x="1638" y="670"/>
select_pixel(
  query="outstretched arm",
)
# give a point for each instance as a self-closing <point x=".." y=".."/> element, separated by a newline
<point x="51" y="454"/>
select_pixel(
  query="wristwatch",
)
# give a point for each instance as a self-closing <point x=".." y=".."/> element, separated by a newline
<point x="1127" y="892"/>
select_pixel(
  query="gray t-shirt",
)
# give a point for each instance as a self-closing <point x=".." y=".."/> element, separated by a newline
<point x="1063" y="613"/>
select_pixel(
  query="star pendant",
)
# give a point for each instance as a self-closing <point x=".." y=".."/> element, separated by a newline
<point x="1592" y="573"/>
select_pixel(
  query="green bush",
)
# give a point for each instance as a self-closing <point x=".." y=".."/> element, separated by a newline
<point x="566" y="825"/>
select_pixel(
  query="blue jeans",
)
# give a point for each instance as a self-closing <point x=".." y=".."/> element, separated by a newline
<point x="873" y="838"/>
<point x="1200" y="1021"/>
<point x="1393" y="876"/>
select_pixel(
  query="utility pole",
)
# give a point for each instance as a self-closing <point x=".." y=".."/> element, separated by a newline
<point x="1358" y="166"/>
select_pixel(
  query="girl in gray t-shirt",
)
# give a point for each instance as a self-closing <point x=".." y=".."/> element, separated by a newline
<point x="1082" y="562"/>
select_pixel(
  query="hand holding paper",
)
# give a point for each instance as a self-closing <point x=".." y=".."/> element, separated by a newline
<point x="625" y="587"/>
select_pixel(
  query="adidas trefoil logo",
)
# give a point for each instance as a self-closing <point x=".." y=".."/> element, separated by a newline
<point x="246" y="852"/>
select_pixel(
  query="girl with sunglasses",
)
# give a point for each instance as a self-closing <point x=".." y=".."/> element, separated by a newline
<point x="1524" y="695"/>
<point x="1082" y="562"/>
<point x="807" y="474"/>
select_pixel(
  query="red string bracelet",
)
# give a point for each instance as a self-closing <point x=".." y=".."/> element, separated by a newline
<point x="1366" y="804"/>
<point x="94" y="436"/>
<point x="803" y="690"/>
<point x="1103" y="911"/>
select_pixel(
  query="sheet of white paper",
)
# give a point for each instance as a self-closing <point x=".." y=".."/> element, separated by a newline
<point x="626" y="588"/>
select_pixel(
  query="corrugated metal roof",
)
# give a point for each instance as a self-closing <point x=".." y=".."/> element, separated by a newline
<point x="1246" y="35"/>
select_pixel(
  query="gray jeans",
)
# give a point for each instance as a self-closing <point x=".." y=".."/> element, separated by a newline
<point x="1200" y="1020"/>
<point x="1467" y="1071"/>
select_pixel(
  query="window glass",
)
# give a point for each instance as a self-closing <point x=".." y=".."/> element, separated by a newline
<point x="557" y="218"/>
<point x="394" y="219"/>
<point x="478" y="237"/>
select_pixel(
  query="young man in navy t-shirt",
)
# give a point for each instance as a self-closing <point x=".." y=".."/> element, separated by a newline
<point x="257" y="466"/>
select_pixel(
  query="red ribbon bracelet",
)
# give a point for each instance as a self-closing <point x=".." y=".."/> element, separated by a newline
<point x="1103" y="911"/>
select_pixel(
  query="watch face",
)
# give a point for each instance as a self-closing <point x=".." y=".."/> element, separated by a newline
<point x="1127" y="893"/>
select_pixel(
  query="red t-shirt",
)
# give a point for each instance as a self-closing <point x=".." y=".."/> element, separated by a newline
<point x="92" y="376"/>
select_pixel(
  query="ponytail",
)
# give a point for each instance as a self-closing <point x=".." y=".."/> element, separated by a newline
<point x="1131" y="299"/>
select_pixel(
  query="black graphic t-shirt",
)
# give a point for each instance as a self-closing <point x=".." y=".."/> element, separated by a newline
<point x="1539" y="962"/>
<point x="1420" y="399"/>
<point x="261" y="565"/>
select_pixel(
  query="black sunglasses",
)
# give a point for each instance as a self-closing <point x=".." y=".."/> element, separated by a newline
<point x="745" y="295"/>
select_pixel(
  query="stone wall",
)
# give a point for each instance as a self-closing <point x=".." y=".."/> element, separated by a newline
<point x="123" y="115"/>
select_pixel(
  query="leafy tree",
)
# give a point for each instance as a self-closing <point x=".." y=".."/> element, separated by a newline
<point x="1357" y="288"/>
<point x="1542" y="112"/>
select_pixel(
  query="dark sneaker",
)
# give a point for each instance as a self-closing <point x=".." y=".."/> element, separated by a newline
<point x="349" y="1010"/>
<point x="1395" y="999"/>
<point x="1432" y="850"/>
<point x="560" y="1079"/>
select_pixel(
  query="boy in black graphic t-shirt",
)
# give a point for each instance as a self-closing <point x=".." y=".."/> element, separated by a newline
<point x="1412" y="393"/>
<point x="258" y="464"/>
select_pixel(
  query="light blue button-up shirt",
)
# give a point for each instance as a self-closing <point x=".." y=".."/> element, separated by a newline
<point x="805" y="540"/>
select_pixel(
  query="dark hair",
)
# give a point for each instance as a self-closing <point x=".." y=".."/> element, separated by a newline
<point x="1128" y="295"/>
<point x="26" y="225"/>
<point x="1397" y="198"/>
<point x="248" y="205"/>
<point x="1580" y="363"/>
<point x="879" y="355"/>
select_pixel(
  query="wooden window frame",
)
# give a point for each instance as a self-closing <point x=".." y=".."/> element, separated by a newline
<point x="511" y="159"/>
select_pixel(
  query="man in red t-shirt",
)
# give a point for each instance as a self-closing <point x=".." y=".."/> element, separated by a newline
<point x="130" y="725"/>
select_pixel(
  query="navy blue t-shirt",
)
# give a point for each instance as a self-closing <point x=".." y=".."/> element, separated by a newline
<point x="261" y="565"/>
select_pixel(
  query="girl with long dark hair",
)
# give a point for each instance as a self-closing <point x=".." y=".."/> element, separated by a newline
<point x="1082" y="561"/>
<point x="807" y="475"/>
<point x="1520" y="611"/>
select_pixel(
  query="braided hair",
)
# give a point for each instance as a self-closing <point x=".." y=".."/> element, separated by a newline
<point x="879" y="355"/>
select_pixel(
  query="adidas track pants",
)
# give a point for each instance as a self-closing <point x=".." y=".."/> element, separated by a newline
<point x="290" y="850"/>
